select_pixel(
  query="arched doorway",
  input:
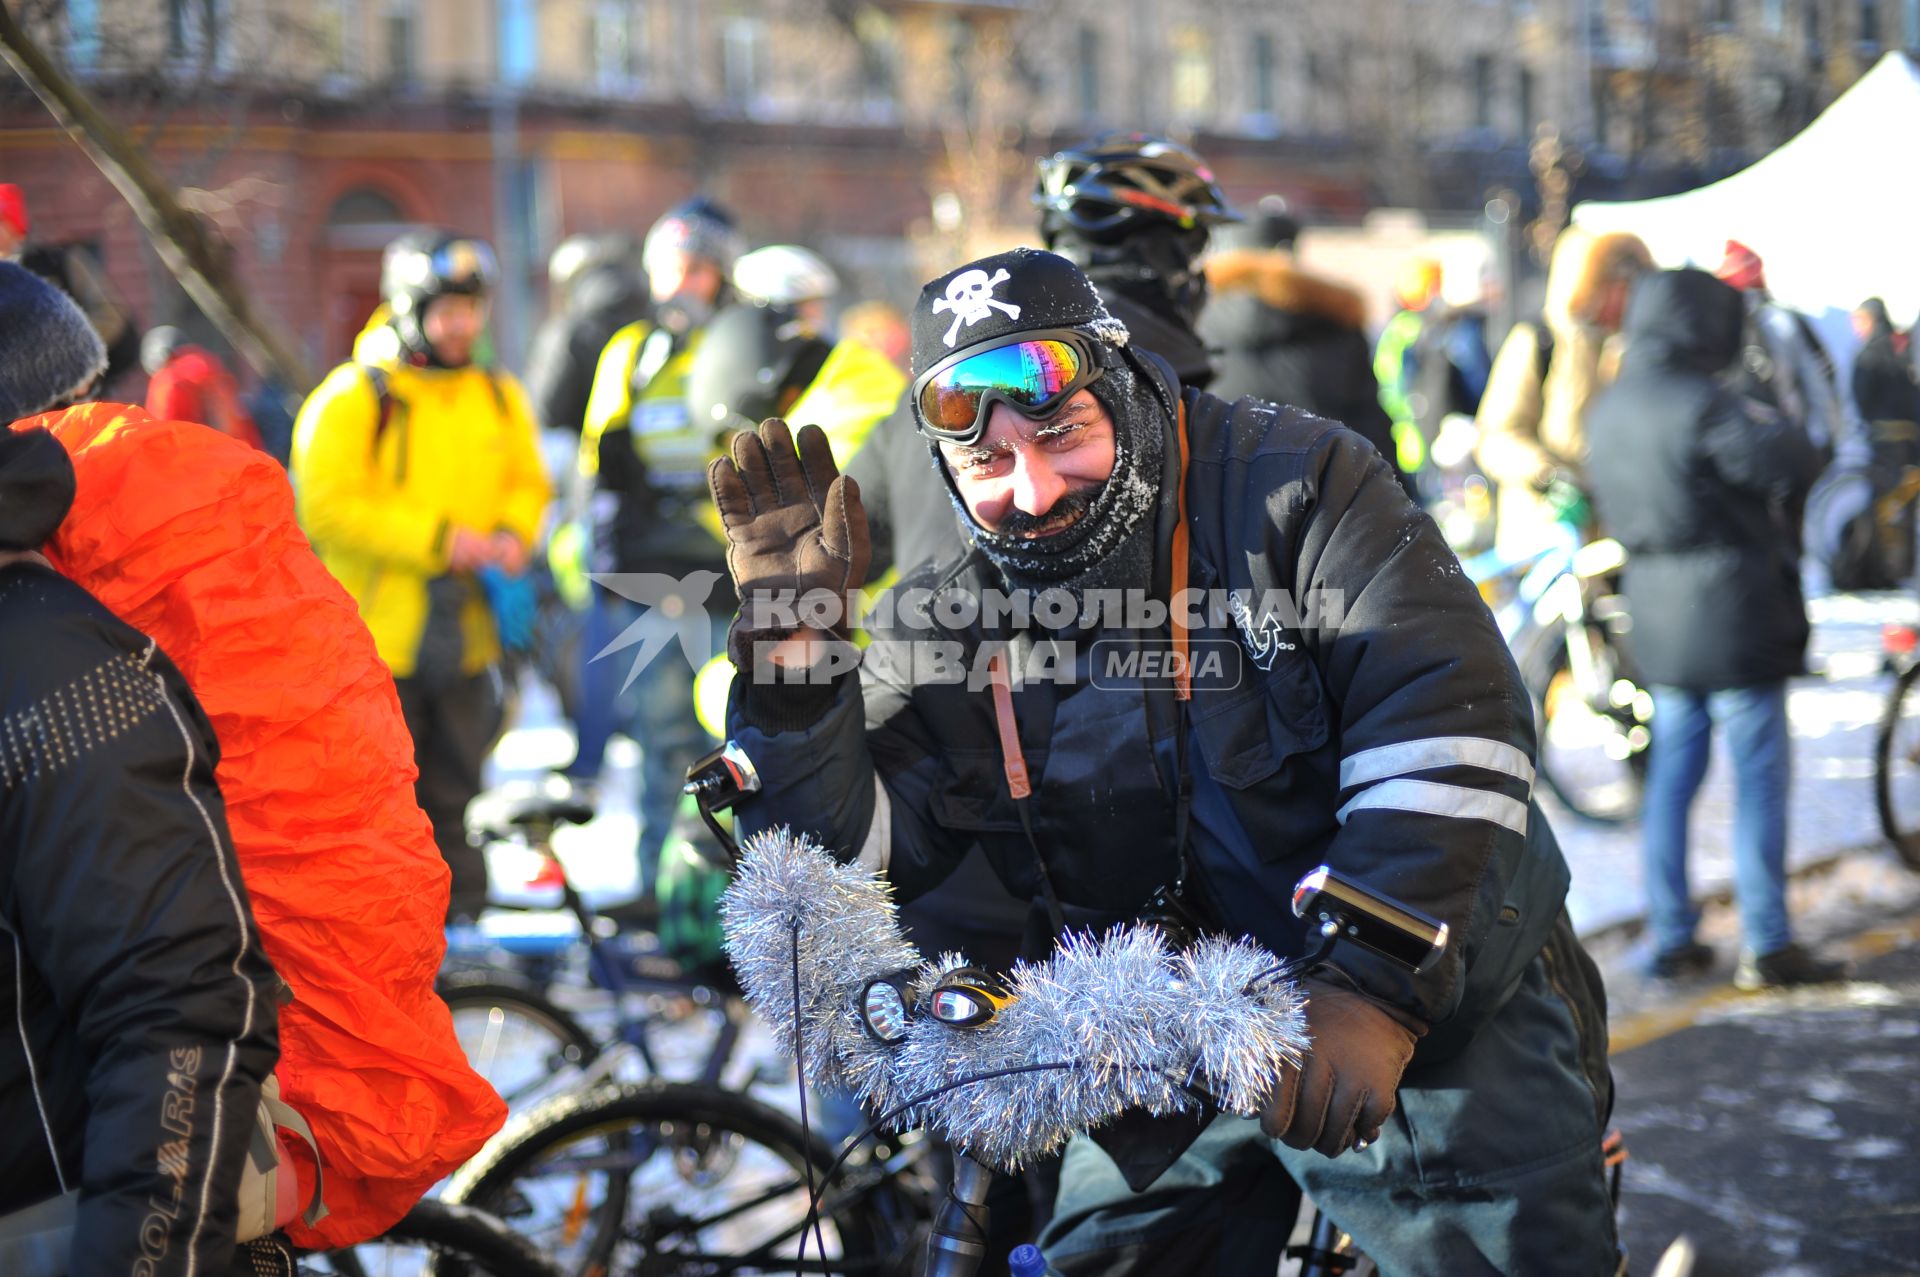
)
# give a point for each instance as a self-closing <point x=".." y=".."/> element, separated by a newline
<point x="362" y="221"/>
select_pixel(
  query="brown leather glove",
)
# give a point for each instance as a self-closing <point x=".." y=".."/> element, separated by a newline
<point x="794" y="525"/>
<point x="1344" y="1091"/>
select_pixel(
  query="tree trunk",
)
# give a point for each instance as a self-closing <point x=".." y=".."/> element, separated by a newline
<point x="195" y="259"/>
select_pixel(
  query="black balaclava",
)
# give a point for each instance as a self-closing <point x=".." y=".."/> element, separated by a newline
<point x="1111" y="545"/>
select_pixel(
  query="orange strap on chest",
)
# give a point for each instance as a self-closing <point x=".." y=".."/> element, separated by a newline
<point x="1014" y="759"/>
<point x="1183" y="673"/>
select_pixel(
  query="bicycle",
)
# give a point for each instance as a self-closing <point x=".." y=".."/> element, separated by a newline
<point x="1567" y="628"/>
<point x="516" y="1034"/>
<point x="436" y="1239"/>
<point x="1896" y="772"/>
<point x="679" y="1179"/>
<point x="1148" y="1016"/>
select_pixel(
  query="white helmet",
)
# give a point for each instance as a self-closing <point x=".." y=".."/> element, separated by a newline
<point x="783" y="275"/>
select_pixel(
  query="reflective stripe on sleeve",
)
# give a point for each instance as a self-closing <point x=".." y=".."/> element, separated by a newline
<point x="1440" y="800"/>
<point x="1405" y="757"/>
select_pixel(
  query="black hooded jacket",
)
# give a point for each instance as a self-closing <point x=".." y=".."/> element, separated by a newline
<point x="1693" y="480"/>
<point x="1283" y="335"/>
<point x="566" y="350"/>
<point x="140" y="1009"/>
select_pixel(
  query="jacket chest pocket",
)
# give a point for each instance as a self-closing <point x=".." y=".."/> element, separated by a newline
<point x="1247" y="732"/>
<point x="972" y="794"/>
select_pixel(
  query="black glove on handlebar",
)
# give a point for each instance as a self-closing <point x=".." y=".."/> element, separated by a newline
<point x="1345" y="1090"/>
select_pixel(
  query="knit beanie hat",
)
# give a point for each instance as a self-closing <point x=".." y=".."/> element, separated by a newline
<point x="49" y="353"/>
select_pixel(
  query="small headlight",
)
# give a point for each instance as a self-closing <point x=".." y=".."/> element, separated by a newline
<point x="884" y="1010"/>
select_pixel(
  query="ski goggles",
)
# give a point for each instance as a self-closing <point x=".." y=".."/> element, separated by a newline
<point x="1033" y="373"/>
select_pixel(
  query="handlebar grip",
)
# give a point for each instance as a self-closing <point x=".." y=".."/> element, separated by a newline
<point x="1394" y="931"/>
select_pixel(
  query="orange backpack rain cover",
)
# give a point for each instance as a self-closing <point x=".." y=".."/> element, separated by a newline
<point x="189" y="536"/>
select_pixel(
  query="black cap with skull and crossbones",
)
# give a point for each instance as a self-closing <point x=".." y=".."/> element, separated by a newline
<point x="1006" y="293"/>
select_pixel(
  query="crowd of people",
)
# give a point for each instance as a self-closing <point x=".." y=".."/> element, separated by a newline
<point x="1159" y="393"/>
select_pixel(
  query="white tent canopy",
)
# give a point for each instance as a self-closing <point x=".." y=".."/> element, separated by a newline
<point x="1832" y="213"/>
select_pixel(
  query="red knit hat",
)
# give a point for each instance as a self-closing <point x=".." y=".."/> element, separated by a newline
<point x="1741" y="267"/>
<point x="13" y="208"/>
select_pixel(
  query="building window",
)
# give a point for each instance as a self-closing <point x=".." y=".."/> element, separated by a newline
<point x="1870" y="21"/>
<point x="333" y="36"/>
<point x="1642" y="11"/>
<point x="1525" y="96"/>
<point x="743" y="53"/>
<point x="617" y="45"/>
<point x="1088" y="71"/>
<point x="196" y="30"/>
<point x="1913" y="24"/>
<point x="879" y="39"/>
<point x="1723" y="13"/>
<point x="1191" y="85"/>
<point x="1482" y="91"/>
<point x="1265" y="66"/>
<point x="402" y="24"/>
<point x="1774" y="14"/>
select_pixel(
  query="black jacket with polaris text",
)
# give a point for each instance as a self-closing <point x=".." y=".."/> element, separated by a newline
<point x="1373" y="721"/>
<point x="139" y="1006"/>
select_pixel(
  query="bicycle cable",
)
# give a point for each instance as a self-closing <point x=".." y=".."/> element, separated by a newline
<point x="806" y="1129"/>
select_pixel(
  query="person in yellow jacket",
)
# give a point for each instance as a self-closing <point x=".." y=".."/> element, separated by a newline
<point x="419" y="481"/>
<point x="642" y="508"/>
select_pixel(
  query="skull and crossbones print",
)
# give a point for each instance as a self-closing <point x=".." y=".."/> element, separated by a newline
<point x="970" y="299"/>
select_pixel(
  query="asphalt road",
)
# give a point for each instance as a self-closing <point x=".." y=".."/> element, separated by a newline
<point x="1779" y="1133"/>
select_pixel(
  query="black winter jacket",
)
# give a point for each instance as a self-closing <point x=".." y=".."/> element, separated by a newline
<point x="1694" y="481"/>
<point x="140" y="1010"/>
<point x="1883" y="381"/>
<point x="1283" y="335"/>
<point x="566" y="350"/>
<point x="1390" y="737"/>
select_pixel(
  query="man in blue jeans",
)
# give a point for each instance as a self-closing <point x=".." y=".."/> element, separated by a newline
<point x="1694" y="481"/>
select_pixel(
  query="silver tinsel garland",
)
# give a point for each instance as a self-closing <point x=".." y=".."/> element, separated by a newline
<point x="1137" y="1024"/>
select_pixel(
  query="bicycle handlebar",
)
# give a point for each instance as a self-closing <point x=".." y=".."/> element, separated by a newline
<point x="1106" y="1024"/>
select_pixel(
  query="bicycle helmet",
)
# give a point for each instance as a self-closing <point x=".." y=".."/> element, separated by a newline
<point x="578" y="254"/>
<point x="1111" y="185"/>
<point x="750" y="357"/>
<point x="423" y="265"/>
<point x="783" y="275"/>
<point x="698" y="227"/>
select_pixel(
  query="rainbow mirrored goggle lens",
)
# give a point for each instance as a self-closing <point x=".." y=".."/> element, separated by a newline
<point x="1034" y="374"/>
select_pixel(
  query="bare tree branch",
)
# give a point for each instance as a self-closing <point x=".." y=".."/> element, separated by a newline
<point x="203" y="265"/>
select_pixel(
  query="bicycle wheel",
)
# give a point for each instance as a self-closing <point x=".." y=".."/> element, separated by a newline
<point x="673" y="1179"/>
<point x="1592" y="757"/>
<point x="514" y="1036"/>
<point x="438" y="1239"/>
<point x="1896" y="772"/>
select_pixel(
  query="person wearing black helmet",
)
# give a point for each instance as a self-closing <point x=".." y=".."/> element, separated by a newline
<point x="420" y="483"/>
<point x="1134" y="211"/>
<point x="638" y="508"/>
<point x="1344" y="697"/>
